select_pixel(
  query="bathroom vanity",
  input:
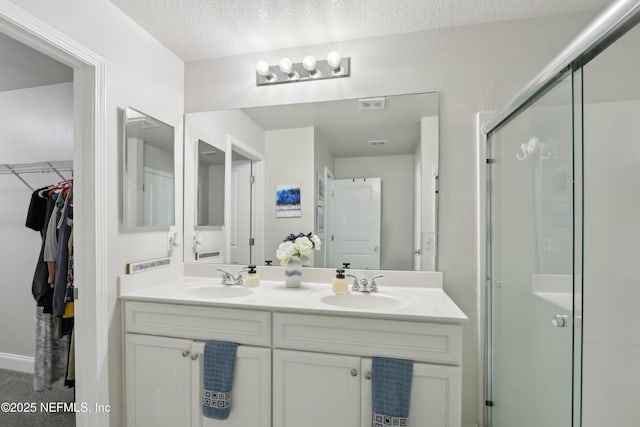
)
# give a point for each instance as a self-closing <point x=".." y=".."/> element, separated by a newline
<point x="304" y="357"/>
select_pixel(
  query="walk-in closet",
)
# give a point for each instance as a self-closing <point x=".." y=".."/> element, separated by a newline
<point x="36" y="225"/>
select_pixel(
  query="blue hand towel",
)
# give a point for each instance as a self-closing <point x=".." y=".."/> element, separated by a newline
<point x="219" y="363"/>
<point x="391" y="391"/>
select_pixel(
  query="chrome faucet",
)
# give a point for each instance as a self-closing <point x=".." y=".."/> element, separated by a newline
<point x="367" y="287"/>
<point x="229" y="279"/>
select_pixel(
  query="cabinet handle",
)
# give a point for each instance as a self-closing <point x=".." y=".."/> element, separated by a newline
<point x="185" y="353"/>
<point x="194" y="356"/>
<point x="367" y="375"/>
<point x="354" y="372"/>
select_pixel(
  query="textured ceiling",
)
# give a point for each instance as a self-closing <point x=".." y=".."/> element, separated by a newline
<point x="346" y="130"/>
<point x="22" y="67"/>
<point x="200" y="29"/>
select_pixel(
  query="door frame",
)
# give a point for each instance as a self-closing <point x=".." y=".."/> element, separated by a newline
<point x="90" y="171"/>
<point x="481" y="266"/>
<point x="257" y="219"/>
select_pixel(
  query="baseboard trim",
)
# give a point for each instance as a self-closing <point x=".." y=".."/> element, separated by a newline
<point x="16" y="362"/>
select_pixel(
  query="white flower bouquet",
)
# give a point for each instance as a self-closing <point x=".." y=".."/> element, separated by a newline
<point x="297" y="245"/>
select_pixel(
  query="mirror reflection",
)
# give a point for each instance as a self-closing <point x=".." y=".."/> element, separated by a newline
<point x="148" y="171"/>
<point x="365" y="171"/>
<point x="210" y="185"/>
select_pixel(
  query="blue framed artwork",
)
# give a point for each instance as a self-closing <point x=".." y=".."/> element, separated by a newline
<point x="288" y="201"/>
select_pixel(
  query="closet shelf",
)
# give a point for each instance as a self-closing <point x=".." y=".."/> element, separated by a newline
<point x="18" y="169"/>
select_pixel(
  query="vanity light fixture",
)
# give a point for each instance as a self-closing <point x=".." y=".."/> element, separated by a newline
<point x="309" y="69"/>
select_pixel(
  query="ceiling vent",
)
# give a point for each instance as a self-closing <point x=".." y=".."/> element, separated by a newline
<point x="377" y="142"/>
<point x="143" y="122"/>
<point x="370" y="104"/>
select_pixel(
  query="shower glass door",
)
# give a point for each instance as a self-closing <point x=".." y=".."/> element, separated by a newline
<point x="530" y="298"/>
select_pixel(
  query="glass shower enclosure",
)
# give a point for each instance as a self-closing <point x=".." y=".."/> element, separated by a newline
<point x="563" y="238"/>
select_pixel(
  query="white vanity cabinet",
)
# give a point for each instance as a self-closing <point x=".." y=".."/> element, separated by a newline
<point x="318" y="387"/>
<point x="158" y="382"/>
<point x="316" y="390"/>
<point x="164" y="374"/>
<point x="304" y="369"/>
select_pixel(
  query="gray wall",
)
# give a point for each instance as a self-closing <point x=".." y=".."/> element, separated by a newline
<point x="475" y="68"/>
<point x="289" y="159"/>
<point x="397" y="176"/>
<point x="322" y="158"/>
<point x="49" y="136"/>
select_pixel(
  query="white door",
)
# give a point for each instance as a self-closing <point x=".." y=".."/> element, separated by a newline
<point x="251" y="393"/>
<point x="435" y="396"/>
<point x="315" y="390"/>
<point x="158" y="194"/>
<point x="328" y="219"/>
<point x="158" y="381"/>
<point x="356" y="222"/>
<point x="240" y="252"/>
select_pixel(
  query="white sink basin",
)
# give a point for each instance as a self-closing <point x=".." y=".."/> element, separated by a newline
<point x="363" y="300"/>
<point x="218" y="291"/>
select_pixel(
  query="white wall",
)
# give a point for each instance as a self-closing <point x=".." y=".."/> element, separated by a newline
<point x="36" y="125"/>
<point x="213" y="128"/>
<point x="145" y="75"/>
<point x="611" y="296"/>
<point x="475" y="68"/>
<point x="289" y="160"/>
<point x="396" y="231"/>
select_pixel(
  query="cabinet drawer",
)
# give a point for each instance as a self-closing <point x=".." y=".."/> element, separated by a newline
<point x="425" y="342"/>
<point x="201" y="323"/>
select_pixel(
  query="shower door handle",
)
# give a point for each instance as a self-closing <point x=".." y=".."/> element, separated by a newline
<point x="559" y="320"/>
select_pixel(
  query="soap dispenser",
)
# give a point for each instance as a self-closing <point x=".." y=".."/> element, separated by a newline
<point x="340" y="283"/>
<point x="252" y="279"/>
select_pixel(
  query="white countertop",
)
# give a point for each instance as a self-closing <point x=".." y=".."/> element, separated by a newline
<point x="393" y="302"/>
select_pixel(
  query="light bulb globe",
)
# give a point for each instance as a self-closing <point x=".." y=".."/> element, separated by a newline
<point x="333" y="59"/>
<point x="286" y="66"/>
<point x="262" y="68"/>
<point x="309" y="63"/>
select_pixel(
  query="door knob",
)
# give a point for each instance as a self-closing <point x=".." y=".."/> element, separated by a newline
<point x="194" y="356"/>
<point x="354" y="372"/>
<point x="559" y="320"/>
<point x="185" y="353"/>
<point x="367" y="375"/>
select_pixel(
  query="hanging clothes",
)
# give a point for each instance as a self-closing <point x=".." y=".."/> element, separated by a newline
<point x="51" y="213"/>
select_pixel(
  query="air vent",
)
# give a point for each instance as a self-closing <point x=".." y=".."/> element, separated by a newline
<point x="209" y="153"/>
<point x="370" y="104"/>
<point x="377" y="142"/>
<point x="143" y="123"/>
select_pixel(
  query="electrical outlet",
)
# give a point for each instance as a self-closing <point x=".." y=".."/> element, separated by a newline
<point x="428" y="242"/>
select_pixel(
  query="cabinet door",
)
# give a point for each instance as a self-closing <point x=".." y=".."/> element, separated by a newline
<point x="158" y="381"/>
<point x="435" y="395"/>
<point x="315" y="390"/>
<point x="251" y="393"/>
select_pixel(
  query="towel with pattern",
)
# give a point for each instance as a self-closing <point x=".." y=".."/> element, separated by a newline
<point x="391" y="391"/>
<point x="219" y="364"/>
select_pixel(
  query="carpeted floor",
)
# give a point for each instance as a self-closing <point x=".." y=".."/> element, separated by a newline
<point x="18" y="387"/>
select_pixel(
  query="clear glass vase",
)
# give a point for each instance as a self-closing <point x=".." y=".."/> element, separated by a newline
<point x="293" y="273"/>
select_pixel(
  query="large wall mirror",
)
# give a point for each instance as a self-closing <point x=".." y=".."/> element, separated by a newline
<point x="149" y="170"/>
<point x="365" y="169"/>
